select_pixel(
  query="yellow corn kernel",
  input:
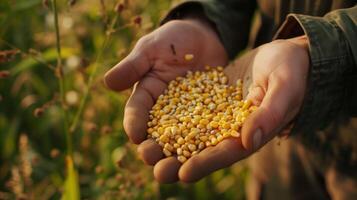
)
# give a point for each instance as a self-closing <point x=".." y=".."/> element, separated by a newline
<point x="234" y="133"/>
<point x="221" y="106"/>
<point x="182" y="159"/>
<point x="192" y="147"/>
<point x="245" y="113"/>
<point x="160" y="130"/>
<point x="204" y="122"/>
<point x="208" y="143"/>
<point x="176" y="145"/>
<point x="214" y="141"/>
<point x="226" y="125"/>
<point x="197" y="111"/>
<point x="150" y="130"/>
<point x="226" y="135"/>
<point x="204" y="138"/>
<point x="247" y="103"/>
<point x="253" y="108"/>
<point x="164" y="138"/>
<point x="235" y="126"/>
<point x="180" y="141"/>
<point x="207" y="101"/>
<point x="219" y="138"/>
<point x="186" y="153"/>
<point x="189" y="57"/>
<point x="194" y="153"/>
<point x="167" y="152"/>
<point x="155" y="134"/>
<point x="174" y="130"/>
<point x="239" y="83"/>
<point x="169" y="147"/>
<point x="214" y="124"/>
<point x="201" y="145"/>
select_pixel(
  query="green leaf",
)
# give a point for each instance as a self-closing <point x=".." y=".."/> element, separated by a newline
<point x="71" y="185"/>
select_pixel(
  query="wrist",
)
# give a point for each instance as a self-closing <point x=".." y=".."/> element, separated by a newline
<point x="302" y="44"/>
<point x="301" y="41"/>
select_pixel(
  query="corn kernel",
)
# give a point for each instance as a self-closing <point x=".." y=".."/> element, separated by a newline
<point x="234" y="133"/>
<point x="247" y="103"/>
<point x="176" y="145"/>
<point x="214" y="124"/>
<point x="192" y="147"/>
<point x="214" y="141"/>
<point x="164" y="138"/>
<point x="201" y="145"/>
<point x="189" y="57"/>
<point x="204" y="122"/>
<point x="196" y="112"/>
<point x="194" y="153"/>
<point x="182" y="159"/>
<point x="167" y="152"/>
<point x="181" y="141"/>
<point x="186" y="153"/>
<point x="169" y="147"/>
<point x="204" y="138"/>
<point x="208" y="144"/>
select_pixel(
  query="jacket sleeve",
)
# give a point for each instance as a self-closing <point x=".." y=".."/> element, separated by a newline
<point x="230" y="18"/>
<point x="332" y="83"/>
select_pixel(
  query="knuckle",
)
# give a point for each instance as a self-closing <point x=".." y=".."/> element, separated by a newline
<point x="144" y="41"/>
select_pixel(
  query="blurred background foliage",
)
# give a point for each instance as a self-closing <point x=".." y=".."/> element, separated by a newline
<point x="95" y="34"/>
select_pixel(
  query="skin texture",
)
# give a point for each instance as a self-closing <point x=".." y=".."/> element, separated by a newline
<point x="275" y="76"/>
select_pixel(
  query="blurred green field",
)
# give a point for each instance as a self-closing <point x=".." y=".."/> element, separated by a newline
<point x="37" y="146"/>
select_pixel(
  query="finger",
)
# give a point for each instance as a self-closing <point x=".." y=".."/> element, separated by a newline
<point x="166" y="170"/>
<point x="128" y="71"/>
<point x="136" y="114"/>
<point x="150" y="152"/>
<point x="256" y="94"/>
<point x="211" y="159"/>
<point x="269" y="117"/>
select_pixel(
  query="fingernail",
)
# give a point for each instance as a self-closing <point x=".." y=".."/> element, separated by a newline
<point x="257" y="139"/>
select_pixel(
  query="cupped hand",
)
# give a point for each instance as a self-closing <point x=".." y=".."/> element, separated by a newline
<point x="275" y="77"/>
<point x="156" y="59"/>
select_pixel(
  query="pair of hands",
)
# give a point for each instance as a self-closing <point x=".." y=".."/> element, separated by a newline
<point x="274" y="76"/>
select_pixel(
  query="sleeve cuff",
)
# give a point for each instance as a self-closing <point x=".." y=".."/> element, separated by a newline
<point x="327" y="91"/>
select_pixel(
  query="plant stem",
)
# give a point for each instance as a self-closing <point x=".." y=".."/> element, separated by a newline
<point x="59" y="73"/>
<point x="84" y="99"/>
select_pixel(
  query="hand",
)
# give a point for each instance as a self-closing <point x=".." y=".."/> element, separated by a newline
<point x="155" y="60"/>
<point x="275" y="78"/>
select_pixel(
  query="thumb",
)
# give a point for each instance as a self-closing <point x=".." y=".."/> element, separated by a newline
<point x="128" y="71"/>
<point x="269" y="118"/>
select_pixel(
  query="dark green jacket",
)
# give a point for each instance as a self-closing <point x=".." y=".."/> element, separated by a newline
<point x="326" y="123"/>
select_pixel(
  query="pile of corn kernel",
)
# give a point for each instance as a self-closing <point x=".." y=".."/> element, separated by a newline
<point x="196" y="112"/>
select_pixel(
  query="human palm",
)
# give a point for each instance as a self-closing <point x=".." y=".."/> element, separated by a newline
<point x="275" y="79"/>
<point x="158" y="58"/>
